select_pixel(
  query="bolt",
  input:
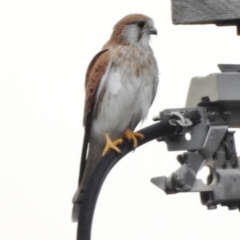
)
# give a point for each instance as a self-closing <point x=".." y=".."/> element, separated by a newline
<point x="212" y="116"/>
<point x="177" y="180"/>
<point x="226" y="115"/>
<point x="232" y="207"/>
<point x="212" y="207"/>
<point x="181" y="159"/>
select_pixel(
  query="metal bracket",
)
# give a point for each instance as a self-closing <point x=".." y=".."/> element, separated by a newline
<point x="216" y="152"/>
<point x="184" y="179"/>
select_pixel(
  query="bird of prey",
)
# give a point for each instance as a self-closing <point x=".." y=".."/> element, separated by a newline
<point x="121" y="83"/>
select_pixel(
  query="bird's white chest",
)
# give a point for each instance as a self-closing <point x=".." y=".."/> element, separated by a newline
<point x="125" y="97"/>
<point x="128" y="92"/>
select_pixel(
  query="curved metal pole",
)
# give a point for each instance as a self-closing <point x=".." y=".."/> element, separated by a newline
<point x="102" y="169"/>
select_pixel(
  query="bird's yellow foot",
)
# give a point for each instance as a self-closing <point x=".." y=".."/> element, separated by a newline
<point x="111" y="144"/>
<point x="130" y="135"/>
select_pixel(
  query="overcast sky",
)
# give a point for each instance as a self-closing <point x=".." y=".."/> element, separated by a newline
<point x="45" y="47"/>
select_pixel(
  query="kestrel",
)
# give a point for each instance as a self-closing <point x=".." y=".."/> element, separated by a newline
<point x="121" y="83"/>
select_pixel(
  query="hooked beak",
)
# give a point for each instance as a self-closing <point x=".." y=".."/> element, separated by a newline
<point x="152" y="30"/>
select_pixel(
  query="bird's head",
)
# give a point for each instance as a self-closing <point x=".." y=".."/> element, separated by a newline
<point x="133" y="29"/>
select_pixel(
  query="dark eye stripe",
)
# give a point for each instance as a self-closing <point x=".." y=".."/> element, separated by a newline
<point x="139" y="23"/>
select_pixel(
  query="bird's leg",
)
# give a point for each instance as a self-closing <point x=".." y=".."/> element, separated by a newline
<point x="111" y="144"/>
<point x="130" y="135"/>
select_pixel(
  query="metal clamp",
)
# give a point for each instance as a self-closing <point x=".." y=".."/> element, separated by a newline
<point x="184" y="122"/>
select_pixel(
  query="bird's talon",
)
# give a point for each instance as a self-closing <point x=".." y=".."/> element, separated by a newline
<point x="139" y="135"/>
<point x="118" y="141"/>
<point x="111" y="145"/>
<point x="130" y="135"/>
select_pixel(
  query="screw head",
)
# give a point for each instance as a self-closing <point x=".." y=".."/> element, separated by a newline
<point x="211" y="116"/>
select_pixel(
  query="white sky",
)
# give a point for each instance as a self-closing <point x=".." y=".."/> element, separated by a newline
<point x="45" y="47"/>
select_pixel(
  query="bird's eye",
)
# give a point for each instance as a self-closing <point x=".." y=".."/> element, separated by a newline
<point x="141" y="24"/>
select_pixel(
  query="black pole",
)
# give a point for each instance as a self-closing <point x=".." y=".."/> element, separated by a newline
<point x="102" y="169"/>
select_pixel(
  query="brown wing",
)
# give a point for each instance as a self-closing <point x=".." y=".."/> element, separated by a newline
<point x="94" y="75"/>
<point x="95" y="72"/>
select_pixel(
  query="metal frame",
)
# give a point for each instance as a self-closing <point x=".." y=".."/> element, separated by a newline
<point x="211" y="143"/>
